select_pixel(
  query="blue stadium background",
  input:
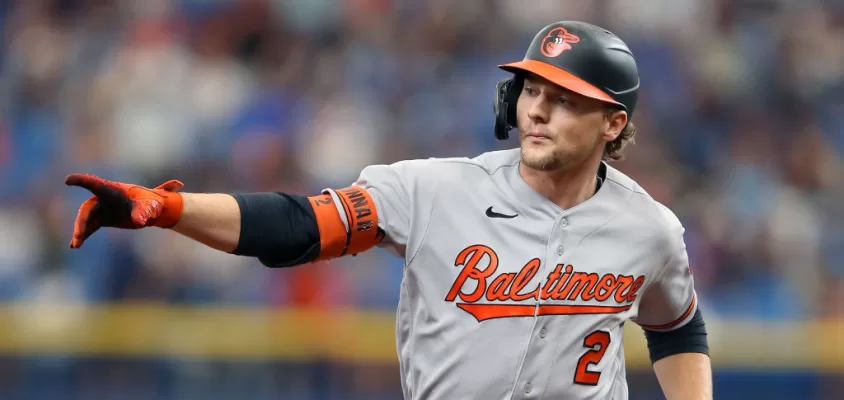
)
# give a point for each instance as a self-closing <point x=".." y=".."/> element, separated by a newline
<point x="741" y="132"/>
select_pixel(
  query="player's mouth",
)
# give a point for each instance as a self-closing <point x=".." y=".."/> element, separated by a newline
<point x="537" y="136"/>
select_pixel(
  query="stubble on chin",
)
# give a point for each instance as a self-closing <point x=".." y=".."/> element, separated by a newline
<point x="540" y="161"/>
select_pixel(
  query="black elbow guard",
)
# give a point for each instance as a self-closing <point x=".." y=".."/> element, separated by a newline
<point x="279" y="229"/>
<point x="691" y="338"/>
<point x="284" y="230"/>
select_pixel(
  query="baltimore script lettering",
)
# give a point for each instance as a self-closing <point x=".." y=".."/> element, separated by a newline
<point x="563" y="283"/>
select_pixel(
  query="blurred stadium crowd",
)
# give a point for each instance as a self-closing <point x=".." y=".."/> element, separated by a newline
<point x="741" y="132"/>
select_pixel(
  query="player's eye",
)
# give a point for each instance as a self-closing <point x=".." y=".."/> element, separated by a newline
<point x="529" y="90"/>
<point x="562" y="100"/>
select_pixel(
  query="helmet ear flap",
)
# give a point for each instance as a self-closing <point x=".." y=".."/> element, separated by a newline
<point x="506" y="97"/>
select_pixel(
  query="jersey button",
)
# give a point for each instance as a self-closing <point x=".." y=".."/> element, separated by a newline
<point x="528" y="387"/>
<point x="542" y="332"/>
<point x="564" y="222"/>
<point x="560" y="250"/>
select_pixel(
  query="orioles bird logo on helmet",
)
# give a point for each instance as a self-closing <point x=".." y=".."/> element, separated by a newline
<point x="557" y="41"/>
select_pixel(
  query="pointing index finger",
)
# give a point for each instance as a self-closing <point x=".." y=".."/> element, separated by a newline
<point x="96" y="185"/>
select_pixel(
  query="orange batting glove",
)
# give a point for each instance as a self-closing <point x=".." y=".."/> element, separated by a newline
<point x="124" y="206"/>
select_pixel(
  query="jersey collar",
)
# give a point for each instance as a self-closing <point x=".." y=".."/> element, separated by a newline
<point x="534" y="199"/>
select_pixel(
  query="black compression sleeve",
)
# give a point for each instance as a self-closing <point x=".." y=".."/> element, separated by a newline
<point x="279" y="229"/>
<point x="691" y="338"/>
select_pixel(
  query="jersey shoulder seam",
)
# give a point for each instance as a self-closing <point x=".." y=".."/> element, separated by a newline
<point x="597" y="228"/>
<point x="510" y="165"/>
<point x="614" y="217"/>
<point x="427" y="226"/>
<point x="631" y="190"/>
<point x="470" y="162"/>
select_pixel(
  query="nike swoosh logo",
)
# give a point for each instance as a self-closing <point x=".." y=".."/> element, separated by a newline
<point x="493" y="214"/>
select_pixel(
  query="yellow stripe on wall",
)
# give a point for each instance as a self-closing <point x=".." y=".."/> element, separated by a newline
<point x="139" y="330"/>
<point x="346" y="335"/>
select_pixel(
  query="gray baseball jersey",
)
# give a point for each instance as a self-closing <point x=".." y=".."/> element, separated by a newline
<point x="507" y="296"/>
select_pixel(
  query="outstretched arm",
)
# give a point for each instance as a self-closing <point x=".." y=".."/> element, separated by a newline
<point x="279" y="229"/>
<point x="212" y="219"/>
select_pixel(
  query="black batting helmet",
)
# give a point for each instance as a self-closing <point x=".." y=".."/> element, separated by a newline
<point x="578" y="56"/>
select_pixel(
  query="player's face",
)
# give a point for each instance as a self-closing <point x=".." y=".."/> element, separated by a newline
<point x="559" y="129"/>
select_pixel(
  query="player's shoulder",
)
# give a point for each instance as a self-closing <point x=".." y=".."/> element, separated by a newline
<point x="488" y="162"/>
<point x="641" y="205"/>
<point x="445" y="168"/>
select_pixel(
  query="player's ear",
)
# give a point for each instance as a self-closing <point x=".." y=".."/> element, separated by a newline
<point x="614" y="122"/>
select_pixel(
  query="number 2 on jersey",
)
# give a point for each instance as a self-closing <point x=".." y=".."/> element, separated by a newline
<point x="597" y="342"/>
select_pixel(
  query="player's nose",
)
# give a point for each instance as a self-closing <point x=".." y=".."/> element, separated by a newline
<point x="538" y="110"/>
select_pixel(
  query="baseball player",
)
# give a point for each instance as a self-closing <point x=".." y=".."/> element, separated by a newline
<point x="521" y="265"/>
